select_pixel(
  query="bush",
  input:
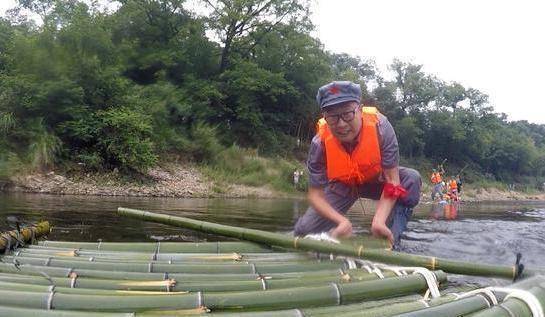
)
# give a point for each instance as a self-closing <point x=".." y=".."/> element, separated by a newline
<point x="124" y="139"/>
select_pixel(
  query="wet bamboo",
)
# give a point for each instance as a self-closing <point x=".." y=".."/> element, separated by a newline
<point x="477" y="303"/>
<point x="28" y="312"/>
<point x="182" y="257"/>
<point x="213" y="259"/>
<point x="25" y="269"/>
<point x="379" y="308"/>
<point x="186" y="247"/>
<point x="174" y="247"/>
<point x="453" y="308"/>
<point x="231" y="259"/>
<point x="299" y="297"/>
<point x="185" y="285"/>
<point x="276" y="239"/>
<point x="515" y="307"/>
<point x="6" y="286"/>
<point x="26" y="235"/>
<point x="151" y="267"/>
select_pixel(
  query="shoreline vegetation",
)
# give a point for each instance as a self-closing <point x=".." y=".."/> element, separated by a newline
<point x="155" y="98"/>
<point x="188" y="180"/>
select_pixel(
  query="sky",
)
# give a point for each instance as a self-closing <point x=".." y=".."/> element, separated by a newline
<point x="496" y="46"/>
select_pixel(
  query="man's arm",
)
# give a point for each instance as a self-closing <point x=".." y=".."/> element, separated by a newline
<point x="384" y="207"/>
<point x="316" y="198"/>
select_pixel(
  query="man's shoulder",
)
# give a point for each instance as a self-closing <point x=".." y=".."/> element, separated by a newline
<point x="381" y="118"/>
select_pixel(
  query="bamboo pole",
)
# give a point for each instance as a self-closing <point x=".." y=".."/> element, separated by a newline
<point x="194" y="285"/>
<point x="182" y="257"/>
<point x="232" y="259"/>
<point x="514" y="306"/>
<point x="25" y="235"/>
<point x="173" y="247"/>
<point x="28" y="312"/>
<point x="151" y="267"/>
<point x="276" y="239"/>
<point x="474" y="304"/>
<point x="25" y="269"/>
<point x="299" y="297"/>
<point x="195" y="247"/>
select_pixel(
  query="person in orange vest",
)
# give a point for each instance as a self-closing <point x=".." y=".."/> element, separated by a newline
<point x="355" y="154"/>
<point x="437" y="183"/>
<point x="453" y="188"/>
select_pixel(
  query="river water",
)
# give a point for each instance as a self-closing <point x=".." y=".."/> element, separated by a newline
<point x="491" y="232"/>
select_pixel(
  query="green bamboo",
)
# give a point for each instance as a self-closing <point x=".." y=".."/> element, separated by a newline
<point x="170" y="247"/>
<point x="152" y="267"/>
<point x="514" y="306"/>
<point x="182" y="257"/>
<point x="6" y="286"/>
<point x="213" y="259"/>
<point x="185" y="285"/>
<point x="25" y="269"/>
<point x="27" y="312"/>
<point x="26" y="235"/>
<point x="276" y="239"/>
<point x="332" y="294"/>
<point x="475" y="304"/>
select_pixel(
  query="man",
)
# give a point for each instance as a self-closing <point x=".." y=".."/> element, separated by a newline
<point x="355" y="154"/>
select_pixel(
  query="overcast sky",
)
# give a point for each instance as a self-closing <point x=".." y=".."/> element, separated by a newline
<point x="496" y="46"/>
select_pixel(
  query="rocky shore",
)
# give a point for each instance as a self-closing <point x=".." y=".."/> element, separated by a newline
<point x="186" y="181"/>
<point x="166" y="181"/>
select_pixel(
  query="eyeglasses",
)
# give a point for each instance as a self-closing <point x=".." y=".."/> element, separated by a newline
<point x="347" y="116"/>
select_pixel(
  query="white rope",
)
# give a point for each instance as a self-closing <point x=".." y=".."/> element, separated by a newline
<point x="351" y="263"/>
<point x="367" y="268"/>
<point x="525" y="296"/>
<point x="323" y="236"/>
<point x="490" y="297"/>
<point x="425" y="302"/>
<point x="378" y="272"/>
<point x="430" y="278"/>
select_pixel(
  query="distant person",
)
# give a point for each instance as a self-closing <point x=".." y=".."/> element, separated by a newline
<point x="296" y="178"/>
<point x="437" y="184"/>
<point x="459" y="184"/>
<point x="355" y="154"/>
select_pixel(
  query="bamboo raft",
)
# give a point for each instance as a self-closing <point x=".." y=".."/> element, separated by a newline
<point x="263" y="274"/>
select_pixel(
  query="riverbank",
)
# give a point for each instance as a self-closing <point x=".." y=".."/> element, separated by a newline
<point x="170" y="180"/>
<point x="187" y="181"/>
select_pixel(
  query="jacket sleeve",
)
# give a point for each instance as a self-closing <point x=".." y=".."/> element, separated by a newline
<point x="389" y="148"/>
<point x="316" y="163"/>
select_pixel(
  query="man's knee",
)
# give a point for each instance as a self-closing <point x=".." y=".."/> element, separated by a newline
<point x="412" y="182"/>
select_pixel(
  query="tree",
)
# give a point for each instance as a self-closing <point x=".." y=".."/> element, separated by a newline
<point x="233" y="20"/>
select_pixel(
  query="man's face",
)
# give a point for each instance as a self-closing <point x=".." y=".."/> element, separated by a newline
<point x="347" y="130"/>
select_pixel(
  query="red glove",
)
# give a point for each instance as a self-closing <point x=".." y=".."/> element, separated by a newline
<point x="392" y="191"/>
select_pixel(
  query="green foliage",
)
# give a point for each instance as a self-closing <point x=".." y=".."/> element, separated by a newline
<point x="124" y="138"/>
<point x="243" y="166"/>
<point x="121" y="89"/>
<point x="204" y="145"/>
<point x="44" y="148"/>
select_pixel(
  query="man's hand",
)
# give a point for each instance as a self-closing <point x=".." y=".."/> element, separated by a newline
<point x="379" y="229"/>
<point x="343" y="229"/>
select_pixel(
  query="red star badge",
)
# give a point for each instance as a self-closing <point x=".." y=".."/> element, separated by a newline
<point x="334" y="90"/>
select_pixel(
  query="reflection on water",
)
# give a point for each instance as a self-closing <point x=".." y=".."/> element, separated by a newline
<point x="486" y="232"/>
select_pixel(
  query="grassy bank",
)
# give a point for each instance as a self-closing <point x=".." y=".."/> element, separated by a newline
<point x="236" y="165"/>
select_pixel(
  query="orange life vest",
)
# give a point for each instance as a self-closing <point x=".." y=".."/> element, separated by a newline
<point x="436" y="178"/>
<point x="364" y="163"/>
<point x="453" y="185"/>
